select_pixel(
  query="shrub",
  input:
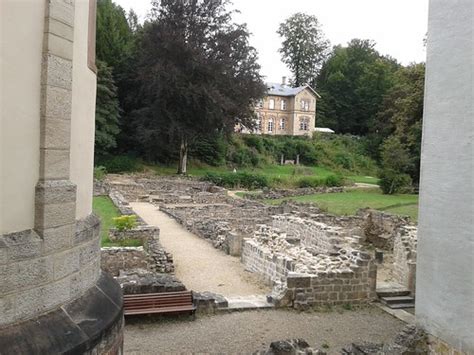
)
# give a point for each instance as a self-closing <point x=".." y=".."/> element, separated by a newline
<point x="334" y="180"/>
<point x="233" y="180"/>
<point x="121" y="164"/>
<point x="392" y="182"/>
<point x="100" y="172"/>
<point x="330" y="181"/>
<point x="125" y="222"/>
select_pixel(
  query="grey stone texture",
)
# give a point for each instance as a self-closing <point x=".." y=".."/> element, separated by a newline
<point x="445" y="255"/>
<point x="38" y="275"/>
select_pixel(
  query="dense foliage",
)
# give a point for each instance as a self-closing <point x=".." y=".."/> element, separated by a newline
<point x="304" y="47"/>
<point x="197" y="75"/>
<point x="352" y="84"/>
<point x="107" y="111"/>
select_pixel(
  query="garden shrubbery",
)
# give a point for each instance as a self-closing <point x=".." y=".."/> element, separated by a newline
<point x="237" y="180"/>
<point x="121" y="164"/>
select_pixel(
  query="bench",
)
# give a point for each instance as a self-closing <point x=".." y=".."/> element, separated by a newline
<point x="153" y="303"/>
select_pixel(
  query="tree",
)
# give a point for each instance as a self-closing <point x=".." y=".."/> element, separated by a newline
<point x="352" y="84"/>
<point x="401" y="114"/>
<point x="395" y="164"/>
<point x="197" y="75"/>
<point x="107" y="111"/>
<point x="114" y="38"/>
<point x="304" y="47"/>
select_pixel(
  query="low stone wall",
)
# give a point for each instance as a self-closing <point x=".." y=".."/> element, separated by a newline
<point x="315" y="236"/>
<point x="144" y="281"/>
<point x="274" y="194"/>
<point x="305" y="279"/>
<point x="151" y="256"/>
<point x="404" y="253"/>
<point x="115" y="259"/>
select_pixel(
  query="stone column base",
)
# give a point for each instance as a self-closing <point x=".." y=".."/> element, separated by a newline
<point x="91" y="324"/>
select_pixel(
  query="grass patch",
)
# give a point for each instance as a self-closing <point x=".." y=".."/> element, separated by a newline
<point x="106" y="210"/>
<point x="347" y="203"/>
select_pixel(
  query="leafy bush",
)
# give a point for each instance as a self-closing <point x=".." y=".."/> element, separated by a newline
<point x="330" y="181"/>
<point x="125" y="222"/>
<point x="233" y="180"/>
<point x="121" y="164"/>
<point x="392" y="182"/>
<point x="100" y="172"/>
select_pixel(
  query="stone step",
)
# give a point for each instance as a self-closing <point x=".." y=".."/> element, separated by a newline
<point x="246" y="304"/>
<point x="401" y="305"/>
<point x="397" y="300"/>
<point x="392" y="292"/>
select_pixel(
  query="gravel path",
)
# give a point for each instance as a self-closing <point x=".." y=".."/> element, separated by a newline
<point x="198" y="264"/>
<point x="246" y="332"/>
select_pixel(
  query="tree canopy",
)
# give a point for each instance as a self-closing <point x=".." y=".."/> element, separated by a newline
<point x="197" y="75"/>
<point x="304" y="47"/>
<point x="352" y="83"/>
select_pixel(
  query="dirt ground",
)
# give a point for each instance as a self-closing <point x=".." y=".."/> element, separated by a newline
<point x="198" y="264"/>
<point x="247" y="332"/>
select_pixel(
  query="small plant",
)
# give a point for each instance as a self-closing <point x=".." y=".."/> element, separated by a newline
<point x="100" y="172"/>
<point x="347" y="306"/>
<point x="125" y="222"/>
<point x="325" y="345"/>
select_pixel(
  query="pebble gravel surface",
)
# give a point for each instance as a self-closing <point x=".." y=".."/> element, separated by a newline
<point x="247" y="332"/>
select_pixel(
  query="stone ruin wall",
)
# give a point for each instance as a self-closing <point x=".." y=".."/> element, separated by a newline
<point x="404" y="253"/>
<point x="304" y="279"/>
<point x="116" y="259"/>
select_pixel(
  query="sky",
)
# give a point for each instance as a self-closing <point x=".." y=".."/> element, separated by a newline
<point x="397" y="26"/>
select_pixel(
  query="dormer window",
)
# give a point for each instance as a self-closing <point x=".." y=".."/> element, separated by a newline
<point x="283" y="105"/>
<point x="271" y="104"/>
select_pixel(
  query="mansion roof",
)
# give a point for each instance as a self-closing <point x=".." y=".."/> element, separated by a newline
<point x="284" y="90"/>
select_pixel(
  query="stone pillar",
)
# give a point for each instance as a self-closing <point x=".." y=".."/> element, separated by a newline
<point x="445" y="252"/>
<point x="55" y="200"/>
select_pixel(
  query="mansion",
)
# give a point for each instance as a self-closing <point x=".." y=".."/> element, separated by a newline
<point x="286" y="111"/>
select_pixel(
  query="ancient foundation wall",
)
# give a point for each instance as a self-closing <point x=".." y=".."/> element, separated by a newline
<point x="404" y="253"/>
<point x="308" y="279"/>
<point x="115" y="259"/>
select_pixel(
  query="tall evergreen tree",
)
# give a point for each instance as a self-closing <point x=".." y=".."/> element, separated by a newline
<point x="304" y="47"/>
<point x="107" y="111"/>
<point x="197" y="75"/>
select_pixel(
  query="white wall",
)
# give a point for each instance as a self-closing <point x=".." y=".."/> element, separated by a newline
<point x="20" y="61"/>
<point x="445" y="264"/>
<point x="83" y="114"/>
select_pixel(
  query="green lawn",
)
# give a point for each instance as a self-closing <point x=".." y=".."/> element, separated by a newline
<point x="347" y="203"/>
<point x="106" y="210"/>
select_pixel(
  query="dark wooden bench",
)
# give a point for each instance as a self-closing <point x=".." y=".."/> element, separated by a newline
<point x="153" y="303"/>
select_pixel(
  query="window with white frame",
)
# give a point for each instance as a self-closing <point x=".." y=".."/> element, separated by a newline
<point x="271" y="104"/>
<point x="258" y="123"/>
<point x="283" y="104"/>
<point x="304" y="124"/>
<point x="304" y="105"/>
<point x="270" y="125"/>
<point x="260" y="103"/>
<point x="282" y="123"/>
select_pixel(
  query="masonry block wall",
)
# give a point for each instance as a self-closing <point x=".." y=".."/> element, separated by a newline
<point x="404" y="254"/>
<point x="49" y="238"/>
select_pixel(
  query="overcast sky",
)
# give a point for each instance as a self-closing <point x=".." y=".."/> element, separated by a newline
<point x="397" y="26"/>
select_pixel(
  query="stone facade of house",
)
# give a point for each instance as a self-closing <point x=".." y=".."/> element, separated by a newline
<point x="285" y="111"/>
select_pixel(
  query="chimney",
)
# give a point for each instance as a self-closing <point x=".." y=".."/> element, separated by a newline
<point x="283" y="80"/>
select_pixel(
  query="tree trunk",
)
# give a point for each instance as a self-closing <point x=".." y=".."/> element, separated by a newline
<point x="183" y="157"/>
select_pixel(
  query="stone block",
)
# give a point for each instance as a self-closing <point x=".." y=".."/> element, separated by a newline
<point x="87" y="229"/>
<point x="19" y="246"/>
<point x="56" y="71"/>
<point x="59" y="28"/>
<point x="55" y="191"/>
<point x="61" y="10"/>
<point x="7" y="309"/>
<point x="66" y="263"/>
<point x="57" y="238"/>
<point x="29" y="273"/>
<point x="89" y="252"/>
<point x="56" y="104"/>
<point x="54" y="164"/>
<point x="58" y="46"/>
<point x="54" y="215"/>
